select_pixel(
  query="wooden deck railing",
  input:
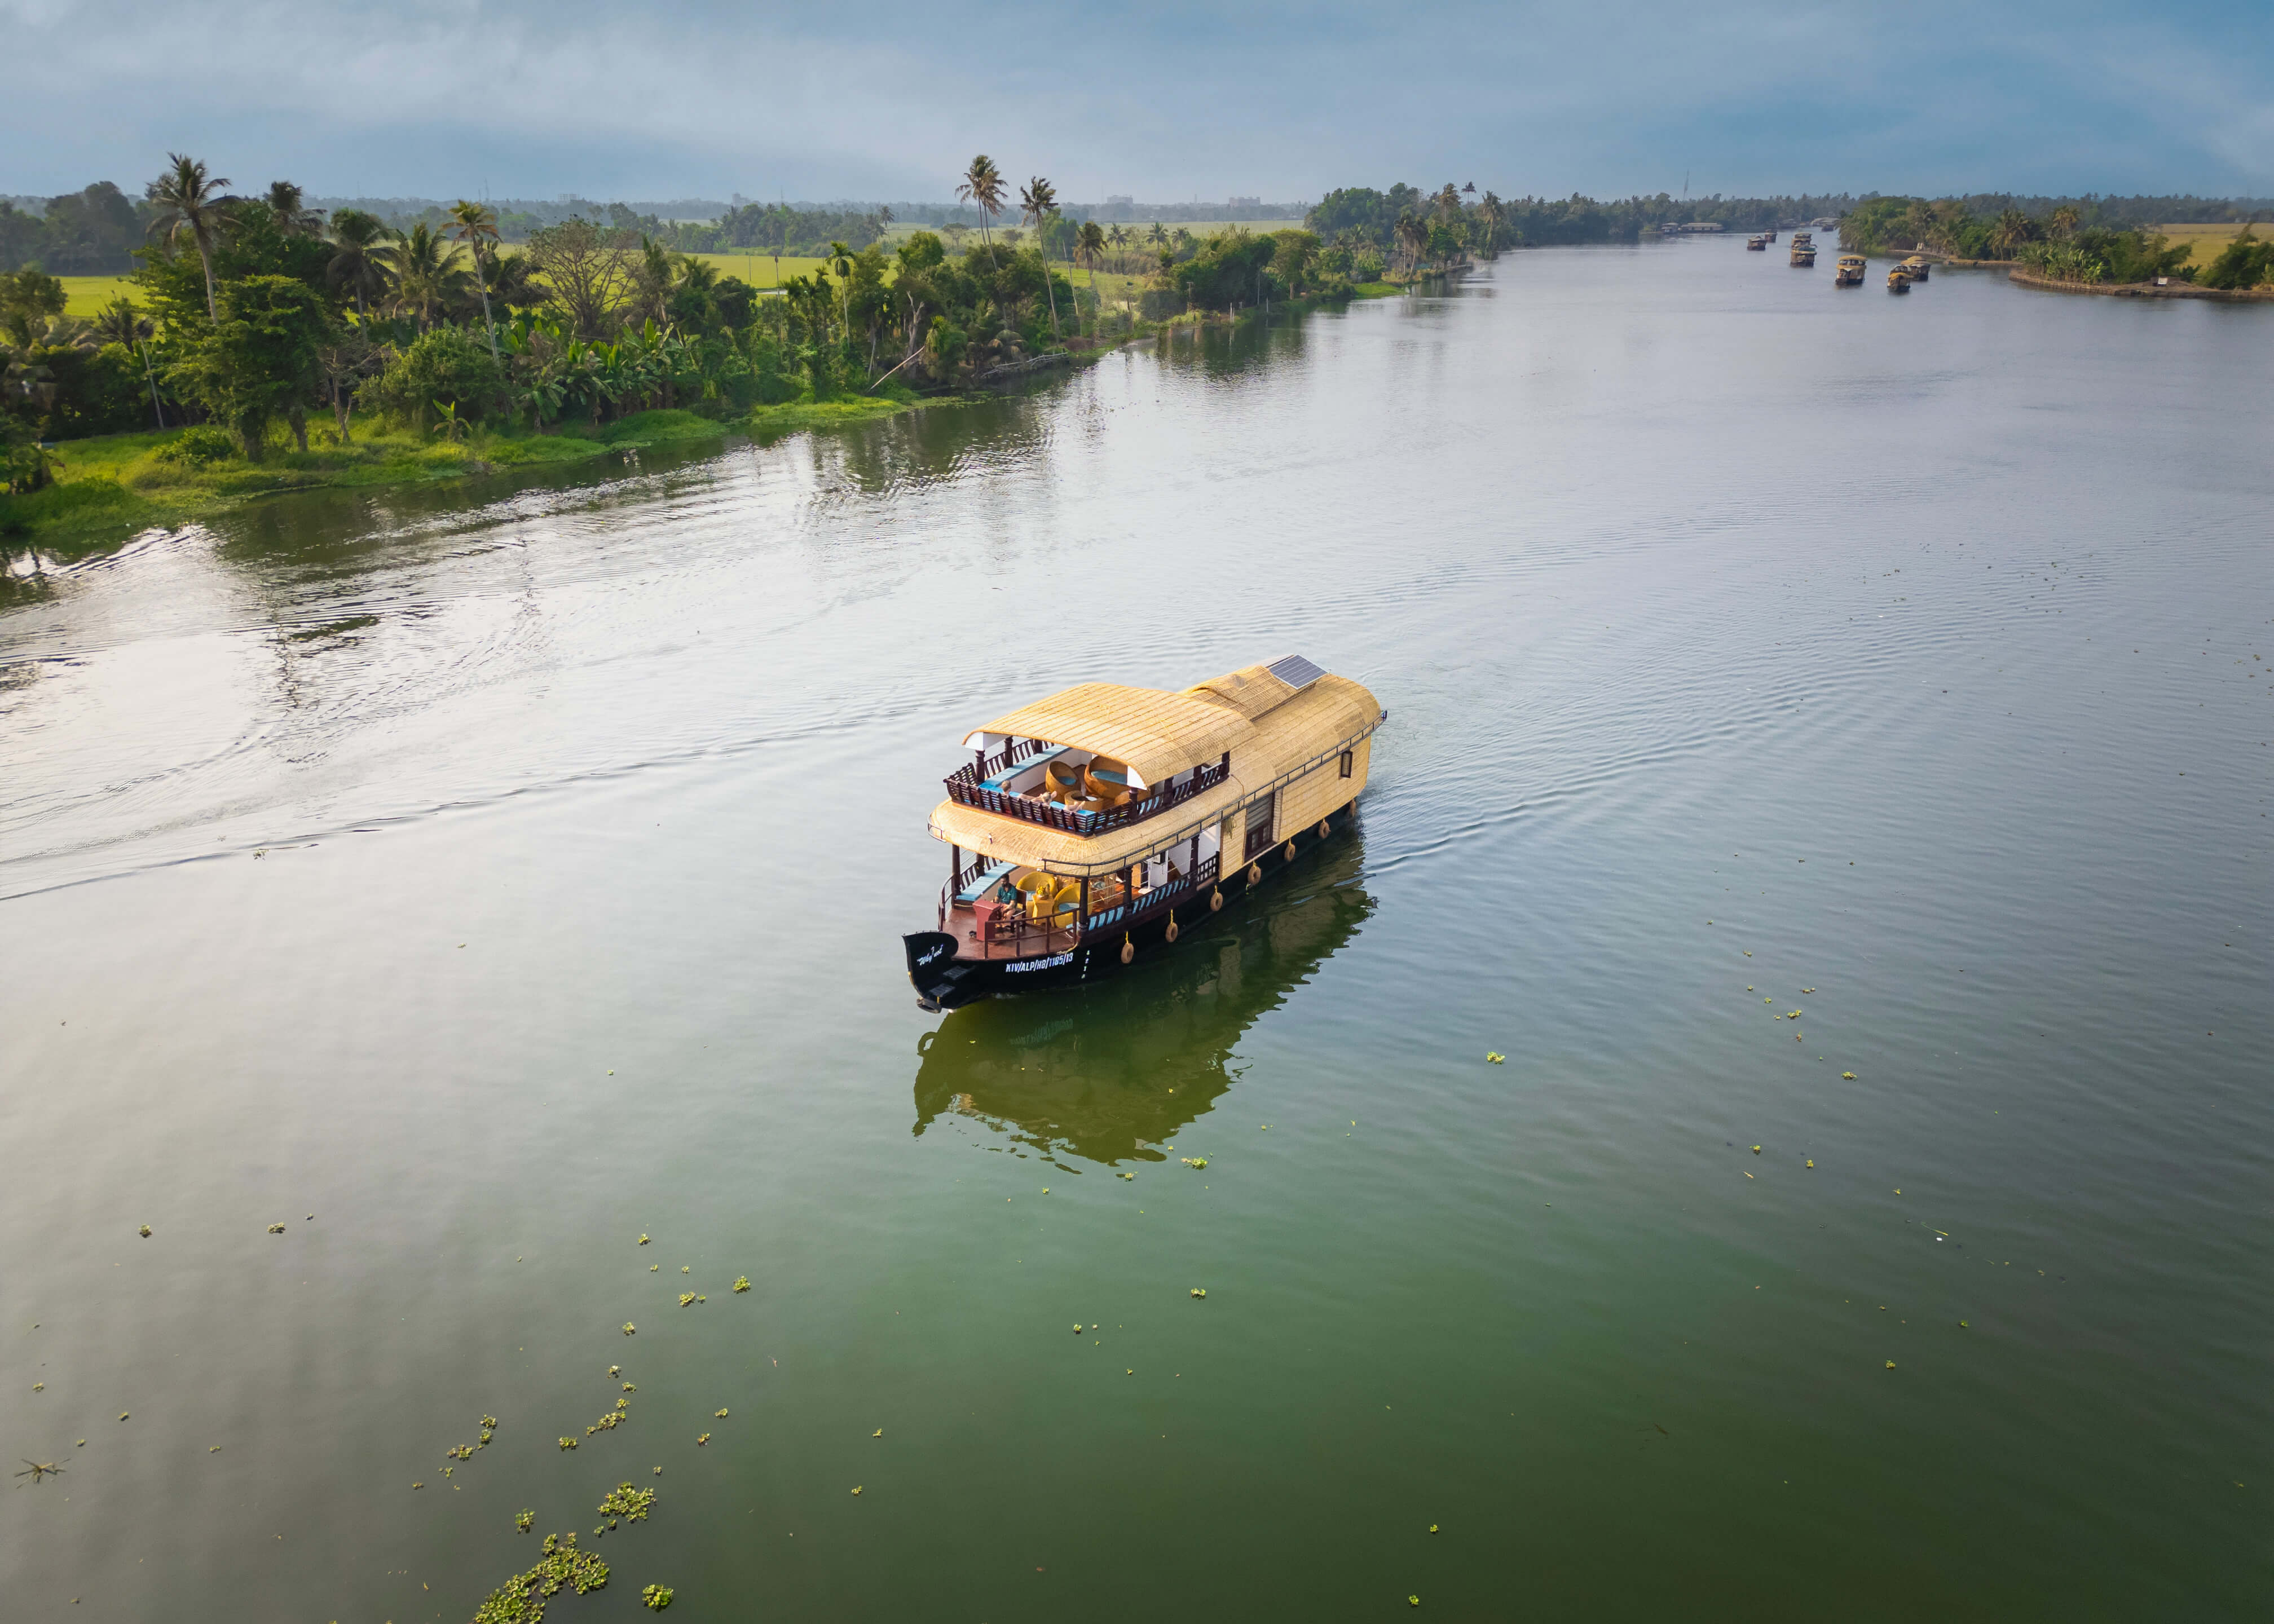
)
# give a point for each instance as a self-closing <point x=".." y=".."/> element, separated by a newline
<point x="965" y="787"/>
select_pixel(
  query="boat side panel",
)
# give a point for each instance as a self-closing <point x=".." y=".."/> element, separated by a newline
<point x="1321" y="790"/>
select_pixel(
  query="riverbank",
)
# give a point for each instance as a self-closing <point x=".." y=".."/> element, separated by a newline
<point x="2143" y="290"/>
<point x="114" y="487"/>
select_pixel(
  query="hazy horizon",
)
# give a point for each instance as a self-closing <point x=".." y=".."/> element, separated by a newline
<point x="509" y="100"/>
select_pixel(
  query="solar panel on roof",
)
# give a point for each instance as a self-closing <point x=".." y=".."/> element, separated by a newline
<point x="1295" y="671"/>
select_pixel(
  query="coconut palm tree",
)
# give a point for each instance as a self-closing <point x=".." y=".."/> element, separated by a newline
<point x="1158" y="235"/>
<point x="2014" y="229"/>
<point x="840" y="266"/>
<point x="191" y="201"/>
<point x="1038" y="200"/>
<point x="1490" y="211"/>
<point x="1089" y="243"/>
<point x="427" y="272"/>
<point x="1120" y="237"/>
<point x="359" y="262"/>
<point x="292" y="219"/>
<point x="982" y="185"/>
<point x="470" y="223"/>
<point x="1412" y="239"/>
<point x="2065" y="220"/>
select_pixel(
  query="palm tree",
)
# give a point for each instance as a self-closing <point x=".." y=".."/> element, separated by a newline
<point x="1491" y="211"/>
<point x="2014" y="229"/>
<point x="469" y="223"/>
<point x="292" y="219"/>
<point x="2064" y="220"/>
<point x="1158" y="235"/>
<point x="1412" y="239"/>
<point x="189" y="200"/>
<point x="427" y="272"/>
<point x="118" y="323"/>
<point x="1089" y="242"/>
<point x="840" y="266"/>
<point x="1037" y="202"/>
<point x="983" y="185"/>
<point x="359" y="261"/>
<point x="1120" y="237"/>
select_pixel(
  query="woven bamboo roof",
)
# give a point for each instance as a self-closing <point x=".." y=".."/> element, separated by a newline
<point x="1325" y="716"/>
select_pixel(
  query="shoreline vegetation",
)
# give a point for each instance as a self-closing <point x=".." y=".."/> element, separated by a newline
<point x="263" y="347"/>
<point x="260" y="347"/>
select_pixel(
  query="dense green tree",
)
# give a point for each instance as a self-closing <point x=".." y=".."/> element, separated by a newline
<point x="259" y="360"/>
<point x="2243" y="263"/>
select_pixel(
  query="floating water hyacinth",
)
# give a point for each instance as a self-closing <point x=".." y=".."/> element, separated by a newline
<point x="525" y="1520"/>
<point x="568" y="1443"/>
<point x="702" y="1438"/>
<point x="642" y="1239"/>
<point x="742" y="1282"/>
<point x="145" y="1231"/>
<point x="1195" y="1162"/>
<point x="685" y="1298"/>
<point x="1200" y="1291"/>
<point x="657" y="1597"/>
<point x="276" y="1229"/>
<point x="1848" y="1076"/>
<point x="856" y="1488"/>
<point x="489" y="1423"/>
<point x="721" y="1415"/>
<point x="628" y="1328"/>
<point x="628" y="1502"/>
<point x="1495" y="1057"/>
<point x="629" y="1387"/>
<point x="521" y="1599"/>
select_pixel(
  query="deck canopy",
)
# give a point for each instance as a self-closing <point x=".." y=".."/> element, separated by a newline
<point x="1155" y="734"/>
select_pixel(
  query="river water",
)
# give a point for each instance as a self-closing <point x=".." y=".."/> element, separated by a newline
<point x="503" y="897"/>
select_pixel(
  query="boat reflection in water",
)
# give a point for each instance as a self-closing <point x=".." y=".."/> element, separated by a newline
<point x="1113" y="1071"/>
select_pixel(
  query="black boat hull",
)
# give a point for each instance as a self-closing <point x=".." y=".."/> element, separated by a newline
<point x="944" y="981"/>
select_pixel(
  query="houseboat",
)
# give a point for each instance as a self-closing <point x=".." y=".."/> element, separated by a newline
<point x="1898" y="279"/>
<point x="1804" y="255"/>
<point x="1756" y="244"/>
<point x="1100" y="824"/>
<point x="1916" y="266"/>
<point x="1849" y="271"/>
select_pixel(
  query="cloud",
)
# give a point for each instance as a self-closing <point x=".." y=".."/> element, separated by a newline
<point x="891" y="98"/>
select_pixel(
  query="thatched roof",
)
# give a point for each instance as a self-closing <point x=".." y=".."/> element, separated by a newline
<point x="1295" y="727"/>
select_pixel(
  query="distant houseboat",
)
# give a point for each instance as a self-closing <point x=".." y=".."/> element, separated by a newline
<point x="1097" y="824"/>
<point x="1849" y="271"/>
<point x="1756" y="244"/>
<point x="1916" y="266"/>
<point x="1898" y="279"/>
<point x="1804" y="255"/>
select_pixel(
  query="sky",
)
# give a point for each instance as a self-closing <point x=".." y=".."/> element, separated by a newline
<point x="890" y="99"/>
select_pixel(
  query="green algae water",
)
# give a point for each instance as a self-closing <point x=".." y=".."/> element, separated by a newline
<point x="1827" y="758"/>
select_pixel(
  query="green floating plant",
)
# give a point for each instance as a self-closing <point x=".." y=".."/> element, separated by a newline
<point x="521" y="1599"/>
<point x="742" y="1282"/>
<point x="657" y="1597"/>
<point x="525" y="1520"/>
<point x="628" y="1502"/>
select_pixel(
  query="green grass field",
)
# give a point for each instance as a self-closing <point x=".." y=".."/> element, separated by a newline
<point x="85" y="295"/>
<point x="2205" y="242"/>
